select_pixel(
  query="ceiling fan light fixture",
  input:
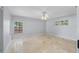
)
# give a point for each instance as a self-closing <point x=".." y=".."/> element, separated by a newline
<point x="44" y="16"/>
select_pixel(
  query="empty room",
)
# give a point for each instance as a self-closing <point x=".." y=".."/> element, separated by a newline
<point x="38" y="29"/>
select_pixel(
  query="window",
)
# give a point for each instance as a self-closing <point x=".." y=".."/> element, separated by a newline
<point x="18" y="28"/>
<point x="62" y="22"/>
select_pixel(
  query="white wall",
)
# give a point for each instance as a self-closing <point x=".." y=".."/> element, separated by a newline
<point x="78" y="23"/>
<point x="78" y="26"/>
<point x="31" y="26"/>
<point x="34" y="26"/>
<point x="68" y="32"/>
<point x="6" y="28"/>
<point x="1" y="30"/>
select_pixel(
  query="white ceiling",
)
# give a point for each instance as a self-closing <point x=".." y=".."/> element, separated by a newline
<point x="36" y="11"/>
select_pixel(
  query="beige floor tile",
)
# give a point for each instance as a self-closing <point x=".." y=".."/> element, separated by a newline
<point x="45" y="44"/>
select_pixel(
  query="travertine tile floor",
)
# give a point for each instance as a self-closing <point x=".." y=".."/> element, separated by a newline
<point x="44" y="44"/>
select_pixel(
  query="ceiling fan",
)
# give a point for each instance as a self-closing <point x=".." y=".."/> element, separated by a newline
<point x="44" y="15"/>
